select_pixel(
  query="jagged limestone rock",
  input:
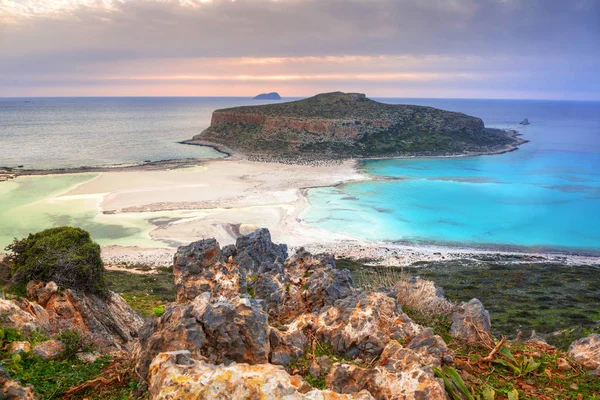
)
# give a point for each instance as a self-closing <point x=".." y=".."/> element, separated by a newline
<point x="107" y="320"/>
<point x="471" y="322"/>
<point x="586" y="352"/>
<point x="176" y="375"/>
<point x="48" y="349"/>
<point x="247" y="304"/>
<point x="220" y="331"/>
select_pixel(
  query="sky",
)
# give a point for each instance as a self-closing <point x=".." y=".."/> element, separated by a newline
<point x="525" y="49"/>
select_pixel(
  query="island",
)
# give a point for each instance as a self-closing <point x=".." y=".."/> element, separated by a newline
<point x="268" y="96"/>
<point x="524" y="122"/>
<point x="350" y="125"/>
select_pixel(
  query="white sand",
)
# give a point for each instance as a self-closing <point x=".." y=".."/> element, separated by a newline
<point x="227" y="198"/>
<point x="230" y="197"/>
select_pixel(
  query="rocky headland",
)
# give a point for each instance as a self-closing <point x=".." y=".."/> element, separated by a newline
<point x="250" y="321"/>
<point x="350" y="125"/>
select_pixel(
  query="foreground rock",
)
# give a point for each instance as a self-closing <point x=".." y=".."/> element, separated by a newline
<point x="471" y="323"/>
<point x="12" y="390"/>
<point x="245" y="312"/>
<point x="107" y="322"/>
<point x="586" y="352"/>
<point x="49" y="349"/>
<point x="176" y="375"/>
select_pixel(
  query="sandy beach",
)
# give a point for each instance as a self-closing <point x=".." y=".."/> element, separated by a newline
<point x="225" y="198"/>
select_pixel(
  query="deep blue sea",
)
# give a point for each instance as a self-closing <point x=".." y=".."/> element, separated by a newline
<point x="546" y="195"/>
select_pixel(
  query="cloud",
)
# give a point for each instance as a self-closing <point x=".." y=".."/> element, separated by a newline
<point x="81" y="39"/>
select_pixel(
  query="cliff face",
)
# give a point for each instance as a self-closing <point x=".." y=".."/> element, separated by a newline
<point x="340" y="125"/>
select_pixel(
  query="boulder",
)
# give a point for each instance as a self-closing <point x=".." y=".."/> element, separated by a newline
<point x="286" y="346"/>
<point x="256" y="249"/>
<point x="361" y="325"/>
<point x="41" y="292"/>
<point x="15" y="316"/>
<point x="20" y="347"/>
<point x="586" y="351"/>
<point x="48" y="349"/>
<point x="199" y="267"/>
<point x="221" y="331"/>
<point x="471" y="323"/>
<point x="431" y="348"/>
<point x="400" y="374"/>
<point x="176" y="375"/>
<point x="107" y="321"/>
<point x="12" y="390"/>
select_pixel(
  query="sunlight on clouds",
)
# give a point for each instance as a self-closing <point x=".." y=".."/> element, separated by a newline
<point x="415" y="76"/>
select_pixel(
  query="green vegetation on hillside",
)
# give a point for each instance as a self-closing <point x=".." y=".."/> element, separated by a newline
<point x="340" y="125"/>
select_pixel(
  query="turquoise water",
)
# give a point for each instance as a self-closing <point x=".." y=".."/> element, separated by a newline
<point x="544" y="196"/>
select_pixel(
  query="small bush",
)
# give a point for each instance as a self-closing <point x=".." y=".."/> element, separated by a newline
<point x="65" y="255"/>
<point x="73" y="342"/>
<point x="158" y="311"/>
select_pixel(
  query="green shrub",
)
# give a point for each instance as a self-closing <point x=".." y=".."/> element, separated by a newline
<point x="158" y="311"/>
<point x="65" y="255"/>
<point x="72" y="341"/>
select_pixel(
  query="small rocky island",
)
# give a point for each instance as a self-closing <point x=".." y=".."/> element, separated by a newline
<point x="350" y="125"/>
<point x="525" y="122"/>
<point x="268" y="96"/>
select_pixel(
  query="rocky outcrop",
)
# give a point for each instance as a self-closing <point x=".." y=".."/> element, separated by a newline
<point x="12" y="390"/>
<point x="399" y="375"/>
<point x="108" y="321"/>
<point x="176" y="375"/>
<point x="49" y="349"/>
<point x="219" y="331"/>
<point x="471" y="323"/>
<point x="247" y="311"/>
<point x="586" y="352"/>
<point x="341" y="125"/>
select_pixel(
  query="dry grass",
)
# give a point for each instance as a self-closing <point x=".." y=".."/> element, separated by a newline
<point x="418" y="295"/>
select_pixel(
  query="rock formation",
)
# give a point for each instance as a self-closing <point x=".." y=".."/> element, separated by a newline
<point x="586" y="352"/>
<point x="109" y="323"/>
<point x="340" y="125"/>
<point x="246" y="312"/>
<point x="268" y="96"/>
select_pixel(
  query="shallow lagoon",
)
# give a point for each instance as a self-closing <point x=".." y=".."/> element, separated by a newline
<point x="33" y="203"/>
<point x="546" y="195"/>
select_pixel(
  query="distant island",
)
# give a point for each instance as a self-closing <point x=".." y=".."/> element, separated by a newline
<point x="350" y="125"/>
<point x="268" y="96"/>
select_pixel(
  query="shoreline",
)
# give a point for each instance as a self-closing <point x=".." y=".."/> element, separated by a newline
<point x="7" y="173"/>
<point x="236" y="195"/>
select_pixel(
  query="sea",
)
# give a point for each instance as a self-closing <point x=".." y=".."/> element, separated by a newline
<point x="544" y="196"/>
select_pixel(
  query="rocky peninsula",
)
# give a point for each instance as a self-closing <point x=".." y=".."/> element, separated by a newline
<point x="350" y="125"/>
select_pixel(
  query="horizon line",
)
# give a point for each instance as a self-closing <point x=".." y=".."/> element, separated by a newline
<point x="295" y="97"/>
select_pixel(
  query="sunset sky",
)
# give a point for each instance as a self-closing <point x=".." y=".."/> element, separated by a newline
<point x="537" y="49"/>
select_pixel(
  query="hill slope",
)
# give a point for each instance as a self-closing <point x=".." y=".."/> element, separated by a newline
<point x="344" y="125"/>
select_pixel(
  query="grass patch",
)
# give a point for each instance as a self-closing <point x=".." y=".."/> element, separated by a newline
<point x="545" y="297"/>
<point x="545" y="382"/>
<point x="143" y="292"/>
